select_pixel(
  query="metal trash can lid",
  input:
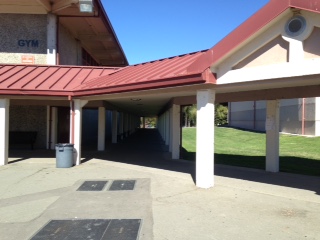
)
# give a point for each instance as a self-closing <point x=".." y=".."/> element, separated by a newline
<point x="64" y="145"/>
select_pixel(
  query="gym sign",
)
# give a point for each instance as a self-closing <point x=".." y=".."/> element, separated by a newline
<point x="28" y="43"/>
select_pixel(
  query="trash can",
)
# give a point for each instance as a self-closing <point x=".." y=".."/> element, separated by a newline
<point x="64" y="155"/>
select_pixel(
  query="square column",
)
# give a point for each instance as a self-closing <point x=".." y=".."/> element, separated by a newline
<point x="167" y="122"/>
<point x="272" y="135"/>
<point x="101" y="128"/>
<point x="175" y="131"/>
<point x="114" y="126"/>
<point x="121" y="125"/>
<point x="51" y="39"/>
<point x="52" y="127"/>
<point x="78" y="104"/>
<point x="4" y="131"/>
<point x="205" y="139"/>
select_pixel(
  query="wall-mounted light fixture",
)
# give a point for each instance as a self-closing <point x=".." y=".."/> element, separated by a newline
<point x="135" y="99"/>
<point x="86" y="6"/>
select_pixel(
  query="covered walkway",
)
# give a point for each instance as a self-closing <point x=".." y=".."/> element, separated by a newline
<point x="281" y="206"/>
<point x="266" y="58"/>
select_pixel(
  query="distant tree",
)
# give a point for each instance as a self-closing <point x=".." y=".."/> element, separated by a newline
<point x="151" y="122"/>
<point x="221" y="115"/>
<point x="190" y="115"/>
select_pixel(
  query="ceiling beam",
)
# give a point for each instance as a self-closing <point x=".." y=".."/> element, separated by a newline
<point x="62" y="4"/>
<point x="45" y="4"/>
<point x="93" y="37"/>
<point x="103" y="52"/>
<point x="30" y="9"/>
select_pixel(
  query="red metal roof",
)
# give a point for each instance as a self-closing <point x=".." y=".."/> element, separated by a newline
<point x="181" y="70"/>
<point x="160" y="73"/>
<point x="256" y="22"/>
<point x="46" y="80"/>
<point x="80" y="81"/>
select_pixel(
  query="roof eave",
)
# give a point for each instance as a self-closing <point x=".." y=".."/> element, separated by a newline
<point x="107" y="21"/>
<point x="50" y="93"/>
<point x="256" y="22"/>
<point x="198" y="78"/>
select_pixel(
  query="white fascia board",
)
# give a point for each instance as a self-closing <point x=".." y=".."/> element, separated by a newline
<point x="274" y="71"/>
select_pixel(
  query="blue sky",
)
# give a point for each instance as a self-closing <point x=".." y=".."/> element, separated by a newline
<point x="150" y="30"/>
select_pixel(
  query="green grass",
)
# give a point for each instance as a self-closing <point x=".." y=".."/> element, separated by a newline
<point x="247" y="149"/>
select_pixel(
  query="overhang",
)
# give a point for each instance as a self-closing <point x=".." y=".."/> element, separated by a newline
<point x="80" y="81"/>
<point x="46" y="80"/>
<point x="249" y="28"/>
<point x="93" y="30"/>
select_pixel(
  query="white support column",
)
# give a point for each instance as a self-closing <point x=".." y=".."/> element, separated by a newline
<point x="114" y="126"/>
<point x="167" y="119"/>
<point x="170" y="129"/>
<point x="101" y="128"/>
<point x="78" y="104"/>
<point x="175" y="131"/>
<point x="161" y="127"/>
<point x="51" y="39"/>
<point x="4" y="131"/>
<point x="272" y="135"/>
<point x="317" y="117"/>
<point x="121" y="125"/>
<point x="164" y="126"/>
<point x="205" y="139"/>
<point x="53" y="125"/>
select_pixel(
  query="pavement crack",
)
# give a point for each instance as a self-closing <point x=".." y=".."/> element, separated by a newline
<point x="160" y="199"/>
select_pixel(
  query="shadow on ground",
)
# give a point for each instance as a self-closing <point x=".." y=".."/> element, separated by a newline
<point x="146" y="148"/>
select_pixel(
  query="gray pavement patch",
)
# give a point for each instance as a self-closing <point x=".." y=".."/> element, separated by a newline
<point x="94" y="229"/>
<point x="92" y="186"/>
<point x="118" y="185"/>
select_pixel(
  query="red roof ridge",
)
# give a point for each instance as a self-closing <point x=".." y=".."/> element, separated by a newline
<point x="162" y="59"/>
<point x="244" y="31"/>
<point x="59" y="66"/>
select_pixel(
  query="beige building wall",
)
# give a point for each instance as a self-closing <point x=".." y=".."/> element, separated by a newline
<point x="251" y="115"/>
<point x="23" y="38"/>
<point x="248" y="115"/>
<point x="25" y="35"/>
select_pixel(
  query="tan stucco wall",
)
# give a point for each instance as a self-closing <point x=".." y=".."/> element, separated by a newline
<point x="16" y="30"/>
<point x="276" y="51"/>
<point x="69" y="48"/>
<point x="29" y="118"/>
<point x="241" y="114"/>
<point x="311" y="45"/>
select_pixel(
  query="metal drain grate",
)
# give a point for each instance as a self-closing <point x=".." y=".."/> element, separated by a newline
<point x="95" y="229"/>
<point x="92" y="186"/>
<point x="122" y="185"/>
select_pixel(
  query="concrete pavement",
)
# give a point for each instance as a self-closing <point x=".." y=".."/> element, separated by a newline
<point x="244" y="204"/>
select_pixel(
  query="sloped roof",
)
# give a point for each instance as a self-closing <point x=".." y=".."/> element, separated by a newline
<point x="80" y="81"/>
<point x="46" y="80"/>
<point x="160" y="73"/>
<point x="251" y="26"/>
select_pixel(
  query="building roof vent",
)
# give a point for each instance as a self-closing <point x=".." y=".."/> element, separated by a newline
<point x="295" y="26"/>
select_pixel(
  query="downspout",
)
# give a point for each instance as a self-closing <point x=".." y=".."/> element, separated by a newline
<point x="180" y="129"/>
<point x="254" y="115"/>
<point x="72" y="118"/>
<point x="230" y="114"/>
<point x="303" y="116"/>
<point x="50" y="126"/>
